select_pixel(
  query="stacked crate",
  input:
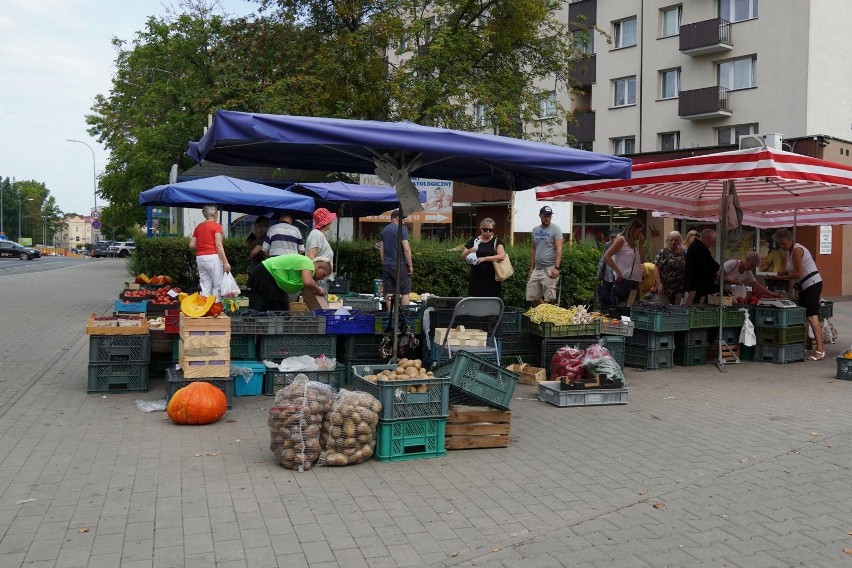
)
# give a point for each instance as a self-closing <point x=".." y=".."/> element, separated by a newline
<point x="732" y="323"/>
<point x="691" y="347"/>
<point x="413" y="419"/>
<point x="278" y="347"/>
<point x="359" y="350"/>
<point x="204" y="348"/>
<point x="652" y="345"/>
<point x="780" y="334"/>
<point x="118" y="357"/>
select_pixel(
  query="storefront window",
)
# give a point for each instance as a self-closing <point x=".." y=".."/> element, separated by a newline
<point x="595" y="221"/>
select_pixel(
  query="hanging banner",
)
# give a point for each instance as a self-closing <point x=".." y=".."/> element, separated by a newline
<point x="825" y="239"/>
<point x="437" y="207"/>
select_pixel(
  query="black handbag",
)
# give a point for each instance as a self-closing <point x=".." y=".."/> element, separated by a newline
<point x="407" y="343"/>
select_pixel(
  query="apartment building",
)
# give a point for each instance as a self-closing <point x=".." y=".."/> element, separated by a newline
<point x="704" y="72"/>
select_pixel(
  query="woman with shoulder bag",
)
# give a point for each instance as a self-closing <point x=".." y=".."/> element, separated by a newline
<point x="626" y="256"/>
<point x="481" y="253"/>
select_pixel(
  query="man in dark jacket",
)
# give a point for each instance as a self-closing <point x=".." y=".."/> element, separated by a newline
<point x="699" y="275"/>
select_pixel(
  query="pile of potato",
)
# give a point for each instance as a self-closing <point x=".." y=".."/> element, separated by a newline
<point x="349" y="429"/>
<point x="406" y="370"/>
<point x="295" y="420"/>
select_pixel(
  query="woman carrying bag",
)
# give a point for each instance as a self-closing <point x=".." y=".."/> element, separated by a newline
<point x="626" y="256"/>
<point x="481" y="253"/>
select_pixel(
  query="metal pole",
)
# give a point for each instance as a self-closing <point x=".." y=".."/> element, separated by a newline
<point x="94" y="183"/>
<point x="19" y="219"/>
<point x="1" y="207"/>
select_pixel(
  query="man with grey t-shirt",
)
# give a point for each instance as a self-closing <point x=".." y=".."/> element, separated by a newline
<point x="545" y="260"/>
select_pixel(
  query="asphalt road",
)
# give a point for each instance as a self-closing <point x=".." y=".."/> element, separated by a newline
<point x="10" y="266"/>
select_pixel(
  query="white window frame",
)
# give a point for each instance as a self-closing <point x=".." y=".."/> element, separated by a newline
<point x="620" y="145"/>
<point x="480" y="115"/>
<point x="547" y="105"/>
<point x="727" y="73"/>
<point x="736" y="130"/>
<point x="628" y="84"/>
<point x="618" y="32"/>
<point x="675" y="136"/>
<point x="664" y="15"/>
<point x="584" y="40"/>
<point x="664" y="74"/>
<point x="730" y="6"/>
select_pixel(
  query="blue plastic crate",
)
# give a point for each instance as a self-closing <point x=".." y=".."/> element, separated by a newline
<point x="354" y="323"/>
<point x="124" y="307"/>
<point x="252" y="386"/>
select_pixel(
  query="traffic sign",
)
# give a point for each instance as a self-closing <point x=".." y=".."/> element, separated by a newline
<point x="96" y="215"/>
<point x="96" y="224"/>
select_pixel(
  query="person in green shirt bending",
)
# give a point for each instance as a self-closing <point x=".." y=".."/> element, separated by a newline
<point x="276" y="276"/>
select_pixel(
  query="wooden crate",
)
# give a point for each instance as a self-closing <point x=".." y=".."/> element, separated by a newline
<point x="205" y="362"/>
<point x="92" y="328"/>
<point x="471" y="427"/>
<point x="205" y="338"/>
<point x="218" y="323"/>
<point x="730" y="354"/>
<point x="528" y="374"/>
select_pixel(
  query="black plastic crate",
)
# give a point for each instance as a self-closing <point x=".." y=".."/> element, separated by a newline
<point x="512" y="342"/>
<point x="283" y="346"/>
<point x="766" y="353"/>
<point x="649" y="359"/>
<point x="118" y="377"/>
<point x="731" y="335"/>
<point x="512" y="320"/>
<point x="690" y="356"/>
<point x="276" y="380"/>
<point x="175" y="382"/>
<point x="652" y="339"/>
<point x="693" y="338"/>
<point x="119" y="349"/>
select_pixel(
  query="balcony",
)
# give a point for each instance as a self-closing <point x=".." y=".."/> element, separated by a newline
<point x="584" y="71"/>
<point x="582" y="13"/>
<point x="583" y="127"/>
<point x="703" y="104"/>
<point x="703" y="38"/>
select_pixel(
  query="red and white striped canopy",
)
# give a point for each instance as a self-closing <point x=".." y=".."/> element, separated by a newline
<point x="775" y="219"/>
<point x="765" y="180"/>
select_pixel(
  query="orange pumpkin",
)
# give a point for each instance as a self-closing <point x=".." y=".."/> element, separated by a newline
<point x="197" y="403"/>
<point x="216" y="309"/>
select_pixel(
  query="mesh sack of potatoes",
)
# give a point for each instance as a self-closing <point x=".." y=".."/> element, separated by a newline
<point x="295" y="422"/>
<point x="349" y="428"/>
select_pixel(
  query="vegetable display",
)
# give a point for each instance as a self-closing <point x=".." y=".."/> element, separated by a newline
<point x="548" y="313"/>
<point x="197" y="403"/>
<point x="295" y="420"/>
<point x="349" y="428"/>
<point x="406" y="370"/>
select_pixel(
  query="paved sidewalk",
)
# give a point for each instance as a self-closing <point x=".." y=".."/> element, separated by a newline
<point x="747" y="468"/>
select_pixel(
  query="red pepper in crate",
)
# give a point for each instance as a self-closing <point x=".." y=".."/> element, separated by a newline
<point x="567" y="362"/>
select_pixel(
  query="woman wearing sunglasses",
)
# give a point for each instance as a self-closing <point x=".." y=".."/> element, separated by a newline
<point x="481" y="253"/>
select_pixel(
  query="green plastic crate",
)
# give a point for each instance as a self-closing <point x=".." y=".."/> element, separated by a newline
<point x="401" y="440"/>
<point x="649" y="359"/>
<point x="283" y="346"/>
<point x="243" y="347"/>
<point x="747" y="352"/>
<point x="397" y="402"/>
<point x="652" y="320"/>
<point x="700" y="317"/>
<point x="693" y="338"/>
<point x="118" y="377"/>
<point x="486" y="381"/>
<point x="779" y="317"/>
<point x="615" y="344"/>
<point x="780" y="335"/>
<point x="731" y="335"/>
<point x="733" y="317"/>
<point x="547" y="329"/>
<point x="826" y="309"/>
<point x="690" y="356"/>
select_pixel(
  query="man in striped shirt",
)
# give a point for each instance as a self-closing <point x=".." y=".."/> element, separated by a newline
<point x="283" y="238"/>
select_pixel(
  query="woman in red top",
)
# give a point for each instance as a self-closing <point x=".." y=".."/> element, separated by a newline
<point x="210" y="256"/>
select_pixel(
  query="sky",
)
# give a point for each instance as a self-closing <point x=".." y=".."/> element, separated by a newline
<point x="55" y="57"/>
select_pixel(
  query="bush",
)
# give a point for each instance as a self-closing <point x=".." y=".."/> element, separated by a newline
<point x="438" y="268"/>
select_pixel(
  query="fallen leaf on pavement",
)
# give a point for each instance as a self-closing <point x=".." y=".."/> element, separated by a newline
<point x="847" y="551"/>
<point x="659" y="505"/>
<point x="82" y="530"/>
<point x="849" y="533"/>
<point x="24" y="501"/>
<point x="814" y="433"/>
<point x="495" y="550"/>
<point x="229" y="421"/>
<point x="454" y="554"/>
<point x="212" y="454"/>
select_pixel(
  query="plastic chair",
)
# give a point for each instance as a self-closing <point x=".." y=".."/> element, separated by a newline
<point x="490" y="312"/>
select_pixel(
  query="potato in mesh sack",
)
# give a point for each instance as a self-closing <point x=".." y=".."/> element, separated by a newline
<point x="349" y="428"/>
<point x="295" y="420"/>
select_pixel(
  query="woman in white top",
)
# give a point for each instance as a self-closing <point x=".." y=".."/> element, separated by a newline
<point x="802" y="270"/>
<point x="738" y="273"/>
<point x="317" y="245"/>
<point x="625" y="256"/>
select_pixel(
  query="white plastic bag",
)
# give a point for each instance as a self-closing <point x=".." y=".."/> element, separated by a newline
<point x="229" y="287"/>
<point x="747" y="336"/>
<point x="829" y="333"/>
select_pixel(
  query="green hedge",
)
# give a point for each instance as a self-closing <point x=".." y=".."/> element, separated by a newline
<point x="438" y="268"/>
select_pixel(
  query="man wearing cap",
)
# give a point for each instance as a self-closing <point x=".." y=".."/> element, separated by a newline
<point x="605" y="273"/>
<point x="283" y="238"/>
<point x="389" y="251"/>
<point x="545" y="260"/>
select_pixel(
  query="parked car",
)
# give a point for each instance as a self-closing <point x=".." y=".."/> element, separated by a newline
<point x="100" y="248"/>
<point x="121" y="248"/>
<point x="11" y="249"/>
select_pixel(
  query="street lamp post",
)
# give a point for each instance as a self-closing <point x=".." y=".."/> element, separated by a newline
<point x="94" y="182"/>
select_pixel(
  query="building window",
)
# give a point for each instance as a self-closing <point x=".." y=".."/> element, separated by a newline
<point x="404" y="42"/>
<point x="626" y="145"/>
<point x="731" y="134"/>
<point x="738" y="73"/>
<point x="480" y="115"/>
<point x="670" y="21"/>
<point x="582" y="146"/>
<point x="547" y="105"/>
<point x="669" y="140"/>
<point x="584" y="41"/>
<point x="624" y="92"/>
<point x="737" y="10"/>
<point x="624" y="32"/>
<point x="669" y="83"/>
